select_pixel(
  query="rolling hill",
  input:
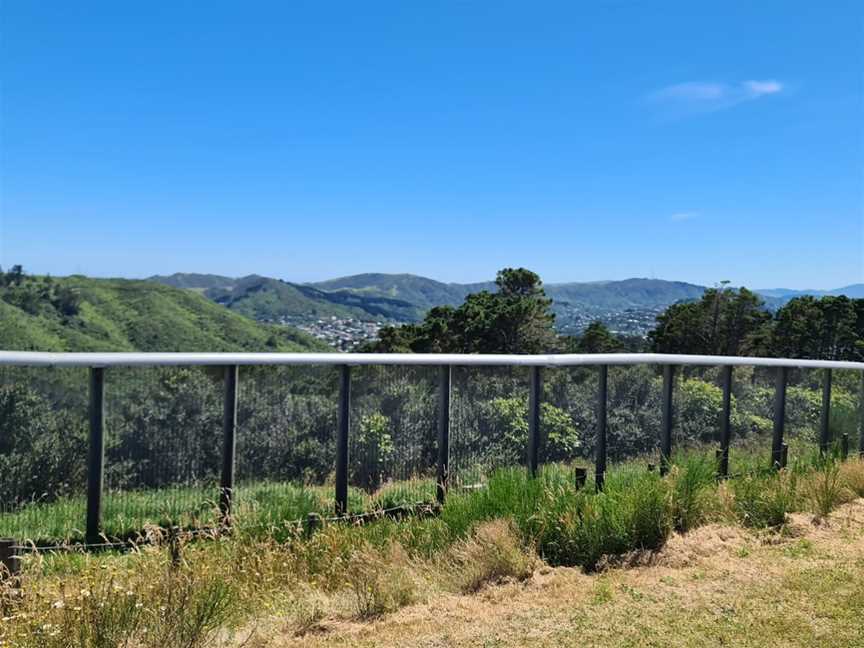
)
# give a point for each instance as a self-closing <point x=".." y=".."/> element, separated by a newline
<point x="853" y="291"/>
<point x="131" y="315"/>
<point x="274" y="300"/>
<point x="628" y="306"/>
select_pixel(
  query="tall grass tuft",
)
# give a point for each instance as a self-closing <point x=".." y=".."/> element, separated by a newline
<point x="492" y="553"/>
<point x="764" y="501"/>
<point x="380" y="581"/>
<point x="146" y="608"/>
<point x="852" y="475"/>
<point x="824" y="489"/>
<point x="693" y="494"/>
<point x="631" y="513"/>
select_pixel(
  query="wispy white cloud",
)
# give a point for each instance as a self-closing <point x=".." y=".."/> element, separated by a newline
<point x="709" y="96"/>
<point x="681" y="217"/>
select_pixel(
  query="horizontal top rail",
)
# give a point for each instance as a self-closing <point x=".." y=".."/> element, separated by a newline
<point x="55" y="359"/>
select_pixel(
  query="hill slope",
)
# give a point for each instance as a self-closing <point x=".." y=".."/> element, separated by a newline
<point x="129" y="315"/>
<point x="420" y="291"/>
<point x="273" y="300"/>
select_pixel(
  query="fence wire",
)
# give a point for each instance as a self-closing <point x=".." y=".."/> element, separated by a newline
<point x="43" y="452"/>
<point x="162" y="447"/>
<point x="488" y="422"/>
<point x="392" y="437"/>
<point x="286" y="440"/>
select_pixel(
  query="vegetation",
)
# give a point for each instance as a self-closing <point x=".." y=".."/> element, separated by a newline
<point x="516" y="318"/>
<point x="735" y="322"/>
<point x="81" y="314"/>
<point x="202" y="593"/>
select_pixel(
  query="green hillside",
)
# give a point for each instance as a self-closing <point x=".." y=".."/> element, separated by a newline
<point x="273" y="300"/>
<point x="82" y="314"/>
<point x="628" y="293"/>
<point x="420" y="291"/>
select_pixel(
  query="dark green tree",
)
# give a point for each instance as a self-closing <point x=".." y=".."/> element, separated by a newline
<point x="721" y="323"/>
<point x="597" y="339"/>
<point x="515" y="319"/>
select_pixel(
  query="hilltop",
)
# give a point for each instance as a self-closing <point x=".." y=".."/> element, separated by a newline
<point x="84" y="314"/>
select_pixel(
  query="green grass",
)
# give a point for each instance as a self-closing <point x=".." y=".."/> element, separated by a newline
<point x="129" y="315"/>
<point x="261" y="508"/>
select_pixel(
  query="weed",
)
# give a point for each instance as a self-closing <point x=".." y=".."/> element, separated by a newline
<point x="492" y="554"/>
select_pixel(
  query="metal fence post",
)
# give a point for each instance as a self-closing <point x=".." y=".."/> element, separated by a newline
<point x="534" y="397"/>
<point x="96" y="455"/>
<point x="825" y="424"/>
<point x="342" y="440"/>
<point x="443" y="476"/>
<point x="725" y="427"/>
<point x="779" y="416"/>
<point x="600" y="450"/>
<point x="10" y="564"/>
<point x="668" y="414"/>
<point x="229" y="442"/>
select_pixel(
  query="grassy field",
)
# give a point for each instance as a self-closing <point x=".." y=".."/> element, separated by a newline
<point x="680" y="560"/>
<point x="266" y="507"/>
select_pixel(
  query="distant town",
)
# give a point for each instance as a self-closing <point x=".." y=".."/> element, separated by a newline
<point x="343" y="333"/>
<point x="347" y="333"/>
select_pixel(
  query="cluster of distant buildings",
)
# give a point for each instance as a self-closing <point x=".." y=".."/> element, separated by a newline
<point x="632" y="322"/>
<point x="344" y="334"/>
<point x="347" y="333"/>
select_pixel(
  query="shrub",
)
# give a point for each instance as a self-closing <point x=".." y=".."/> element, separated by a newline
<point x="693" y="479"/>
<point x="852" y="475"/>
<point x="764" y="501"/>
<point x="632" y="513"/>
<point x="825" y="489"/>
<point x="493" y="553"/>
<point x="381" y="581"/>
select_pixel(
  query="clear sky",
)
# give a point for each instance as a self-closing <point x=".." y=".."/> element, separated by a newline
<point x="697" y="141"/>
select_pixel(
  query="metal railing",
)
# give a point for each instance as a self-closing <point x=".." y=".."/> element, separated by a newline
<point x="97" y="363"/>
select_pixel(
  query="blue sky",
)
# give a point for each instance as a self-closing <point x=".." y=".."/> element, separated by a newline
<point x="597" y="140"/>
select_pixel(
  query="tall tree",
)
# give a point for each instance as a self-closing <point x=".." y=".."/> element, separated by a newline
<point x="514" y="319"/>
<point x="721" y="323"/>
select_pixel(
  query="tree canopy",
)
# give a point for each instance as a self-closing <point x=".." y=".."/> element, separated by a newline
<point x="516" y="318"/>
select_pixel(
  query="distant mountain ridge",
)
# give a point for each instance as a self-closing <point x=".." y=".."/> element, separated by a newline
<point x="628" y="305"/>
<point x="853" y="291"/>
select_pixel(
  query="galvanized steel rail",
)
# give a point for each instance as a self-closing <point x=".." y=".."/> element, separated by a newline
<point x="52" y="359"/>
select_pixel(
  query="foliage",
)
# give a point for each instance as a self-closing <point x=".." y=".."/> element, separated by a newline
<point x="765" y="500"/>
<point x="597" y="339"/>
<point x="492" y="553"/>
<point x="831" y="328"/>
<point x="514" y="319"/>
<point x="693" y="478"/>
<point x="718" y="324"/>
<point x="373" y="448"/>
<point x="81" y="314"/>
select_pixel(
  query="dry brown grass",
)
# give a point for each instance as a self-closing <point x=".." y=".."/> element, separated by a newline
<point x="715" y="586"/>
<point x="491" y="555"/>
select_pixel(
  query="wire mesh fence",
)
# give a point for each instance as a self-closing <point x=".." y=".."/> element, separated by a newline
<point x="162" y="448"/>
<point x="43" y="451"/>
<point x="285" y="443"/>
<point x="392" y="437"/>
<point x="488" y="422"/>
<point x="165" y="426"/>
